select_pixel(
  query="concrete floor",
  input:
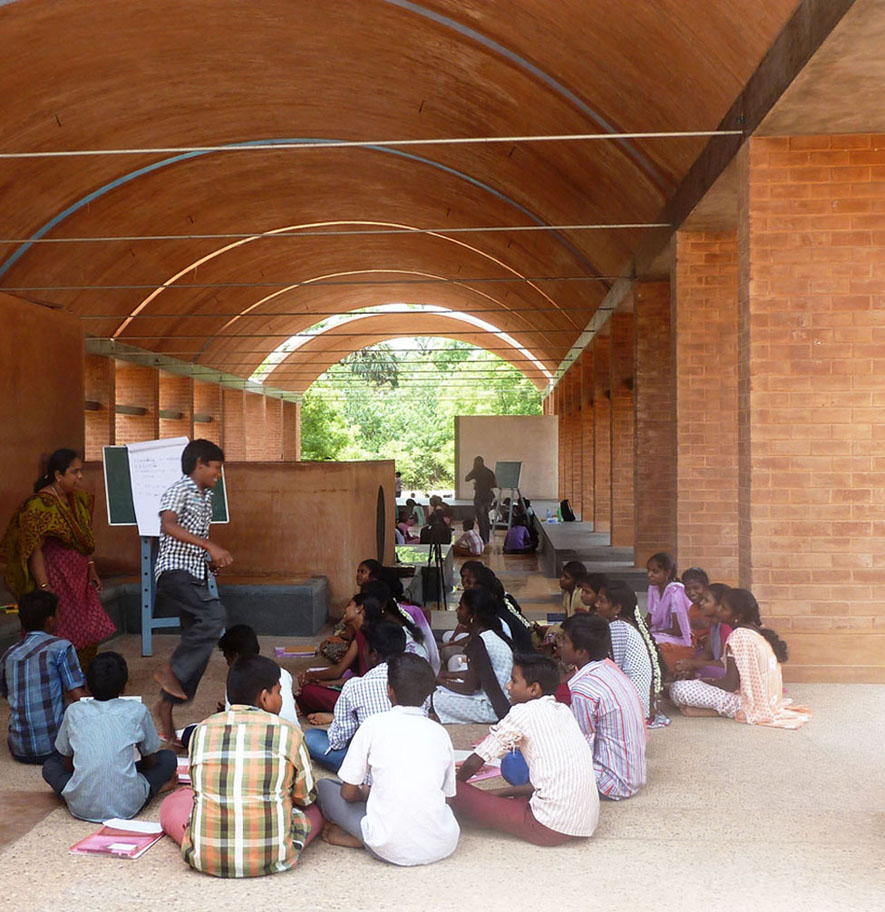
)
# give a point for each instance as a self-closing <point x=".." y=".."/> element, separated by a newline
<point x="733" y="817"/>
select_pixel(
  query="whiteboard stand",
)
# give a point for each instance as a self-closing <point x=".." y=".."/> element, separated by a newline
<point x="149" y="623"/>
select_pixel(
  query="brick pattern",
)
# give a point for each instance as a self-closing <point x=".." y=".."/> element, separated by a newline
<point x="602" y="433"/>
<point x="273" y="426"/>
<point x="811" y="242"/>
<point x="208" y="401"/>
<point x="138" y="386"/>
<point x="705" y="323"/>
<point x="256" y="430"/>
<point x="177" y="395"/>
<point x="655" y="427"/>
<point x="234" y="423"/>
<point x="621" y="385"/>
<point x="588" y="472"/>
<point x="291" y="431"/>
<point x="100" y="426"/>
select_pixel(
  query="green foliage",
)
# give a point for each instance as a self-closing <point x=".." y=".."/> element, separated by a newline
<point x="381" y="403"/>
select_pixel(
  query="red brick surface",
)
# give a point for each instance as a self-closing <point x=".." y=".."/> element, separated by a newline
<point x="602" y="433"/>
<point x="234" y="423"/>
<point x="138" y="386"/>
<point x="99" y="386"/>
<point x="177" y="394"/>
<point x="291" y="431"/>
<point x="207" y="401"/>
<point x="622" y="418"/>
<point x="256" y="430"/>
<point x="588" y="470"/>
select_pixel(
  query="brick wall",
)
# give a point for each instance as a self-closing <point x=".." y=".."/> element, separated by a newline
<point x="622" y="418"/>
<point x="273" y="427"/>
<point x="177" y="395"/>
<point x="812" y="397"/>
<point x="256" y="428"/>
<point x="234" y="423"/>
<point x="705" y="322"/>
<point x="588" y="473"/>
<point x="655" y="427"/>
<point x="140" y="387"/>
<point x="291" y="431"/>
<point x="601" y="433"/>
<point x="208" y="404"/>
<point x="100" y="425"/>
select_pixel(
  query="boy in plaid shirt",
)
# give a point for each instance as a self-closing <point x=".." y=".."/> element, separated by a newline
<point x="185" y="558"/>
<point x="251" y="778"/>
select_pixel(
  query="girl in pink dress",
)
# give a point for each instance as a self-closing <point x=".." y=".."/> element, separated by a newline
<point x="668" y="607"/>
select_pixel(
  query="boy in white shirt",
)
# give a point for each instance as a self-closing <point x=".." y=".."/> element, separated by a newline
<point x="560" y="801"/>
<point x="403" y="816"/>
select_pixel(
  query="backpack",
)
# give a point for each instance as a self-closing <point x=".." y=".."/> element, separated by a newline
<point x="568" y="515"/>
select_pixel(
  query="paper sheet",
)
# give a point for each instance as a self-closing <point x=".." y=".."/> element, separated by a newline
<point x="154" y="466"/>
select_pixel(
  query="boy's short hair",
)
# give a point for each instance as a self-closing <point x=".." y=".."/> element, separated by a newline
<point x="249" y="676"/>
<point x="107" y="675"/>
<point x="575" y="569"/>
<point x="595" y="581"/>
<point x="200" y="450"/>
<point x="386" y="639"/>
<point x="411" y="678"/>
<point x="36" y="608"/>
<point x="538" y="669"/>
<point x="468" y="524"/>
<point x="589" y="633"/>
<point x="239" y="640"/>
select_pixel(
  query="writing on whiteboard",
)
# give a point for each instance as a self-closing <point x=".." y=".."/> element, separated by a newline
<point x="154" y="466"/>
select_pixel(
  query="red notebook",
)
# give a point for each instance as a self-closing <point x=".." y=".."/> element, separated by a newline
<point x="120" y="838"/>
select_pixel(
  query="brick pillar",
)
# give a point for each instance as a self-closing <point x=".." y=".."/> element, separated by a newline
<point x="273" y="423"/>
<point x="601" y="434"/>
<point x="137" y="387"/>
<point x="256" y="427"/>
<point x="577" y="455"/>
<point x="99" y="389"/>
<point x="622" y="418"/>
<point x="207" y="412"/>
<point x="291" y="431"/>
<point x="234" y="422"/>
<point x="176" y="399"/>
<point x="588" y="472"/>
<point x="654" y="463"/>
<point x="705" y="315"/>
<point x="811" y="247"/>
<point x="561" y="433"/>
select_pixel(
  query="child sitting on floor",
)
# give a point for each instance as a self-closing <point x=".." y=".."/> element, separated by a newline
<point x="570" y="579"/>
<point x="707" y="660"/>
<point x="696" y="581"/>
<point x="752" y="689"/>
<point x="469" y="544"/>
<point x="518" y="539"/>
<point x="251" y="779"/>
<point x="360" y="698"/>
<point x="403" y="817"/>
<point x="606" y="706"/>
<point x="552" y="797"/>
<point x="668" y="611"/>
<point x="35" y="673"/>
<point x="95" y="769"/>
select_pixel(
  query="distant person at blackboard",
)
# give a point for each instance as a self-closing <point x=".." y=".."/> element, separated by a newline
<point x="469" y="544"/>
<point x="437" y="530"/>
<point x="48" y="545"/>
<point x="182" y="575"/>
<point x="415" y="514"/>
<point x="35" y="674"/>
<point x="483" y="481"/>
<point x="518" y="539"/>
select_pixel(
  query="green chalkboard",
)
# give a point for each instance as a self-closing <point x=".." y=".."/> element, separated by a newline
<point x="507" y="474"/>
<point x="118" y="489"/>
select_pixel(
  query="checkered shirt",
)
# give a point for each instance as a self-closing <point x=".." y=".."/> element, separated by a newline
<point x="359" y="699"/>
<point x="34" y="674"/>
<point x="251" y="775"/>
<point x="194" y="511"/>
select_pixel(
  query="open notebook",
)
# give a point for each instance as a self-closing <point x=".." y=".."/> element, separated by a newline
<point x="120" y="838"/>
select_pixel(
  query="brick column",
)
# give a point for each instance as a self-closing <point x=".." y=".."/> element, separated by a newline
<point x="291" y="431"/>
<point x="601" y="434"/>
<point x="207" y="412"/>
<point x="137" y="387"/>
<point x="705" y="321"/>
<point x="811" y="245"/>
<point x="256" y="429"/>
<point x="588" y="469"/>
<point x="561" y="433"/>
<point x="100" y="395"/>
<point x="273" y="422"/>
<point x="234" y="422"/>
<point x="654" y="464"/>
<point x="573" y="459"/>
<point x="622" y="418"/>
<point x="176" y="398"/>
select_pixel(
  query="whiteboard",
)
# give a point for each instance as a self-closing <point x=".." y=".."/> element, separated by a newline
<point x="154" y="466"/>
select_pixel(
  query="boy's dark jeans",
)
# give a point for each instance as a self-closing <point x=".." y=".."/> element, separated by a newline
<point x="55" y="774"/>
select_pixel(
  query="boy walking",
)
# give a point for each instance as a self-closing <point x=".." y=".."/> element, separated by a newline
<point x="558" y="801"/>
<point x="35" y="673"/>
<point x="95" y="769"/>
<point x="251" y="778"/>
<point x="182" y="574"/>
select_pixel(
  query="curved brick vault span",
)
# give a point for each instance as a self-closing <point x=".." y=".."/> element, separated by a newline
<point x="173" y="76"/>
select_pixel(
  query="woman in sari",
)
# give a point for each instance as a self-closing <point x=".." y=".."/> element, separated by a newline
<point x="49" y="544"/>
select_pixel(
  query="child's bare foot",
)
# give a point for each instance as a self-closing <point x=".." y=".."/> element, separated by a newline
<point x="165" y="677"/>
<point x="697" y="711"/>
<point x="334" y="835"/>
<point x="321" y="718"/>
<point x="165" y="725"/>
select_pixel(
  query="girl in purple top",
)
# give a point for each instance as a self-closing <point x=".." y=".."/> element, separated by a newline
<point x="668" y="610"/>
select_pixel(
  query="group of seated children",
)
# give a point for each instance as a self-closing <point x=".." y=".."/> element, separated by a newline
<point x="570" y="728"/>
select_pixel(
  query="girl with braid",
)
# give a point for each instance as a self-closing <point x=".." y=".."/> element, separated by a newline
<point x="751" y="690"/>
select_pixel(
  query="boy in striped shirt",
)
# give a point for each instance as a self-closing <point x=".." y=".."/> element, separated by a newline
<point x="250" y="811"/>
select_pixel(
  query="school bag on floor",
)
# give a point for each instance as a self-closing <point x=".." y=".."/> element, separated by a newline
<point x="565" y="509"/>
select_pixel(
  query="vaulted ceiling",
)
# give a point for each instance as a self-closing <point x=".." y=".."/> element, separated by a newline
<point x="118" y="75"/>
